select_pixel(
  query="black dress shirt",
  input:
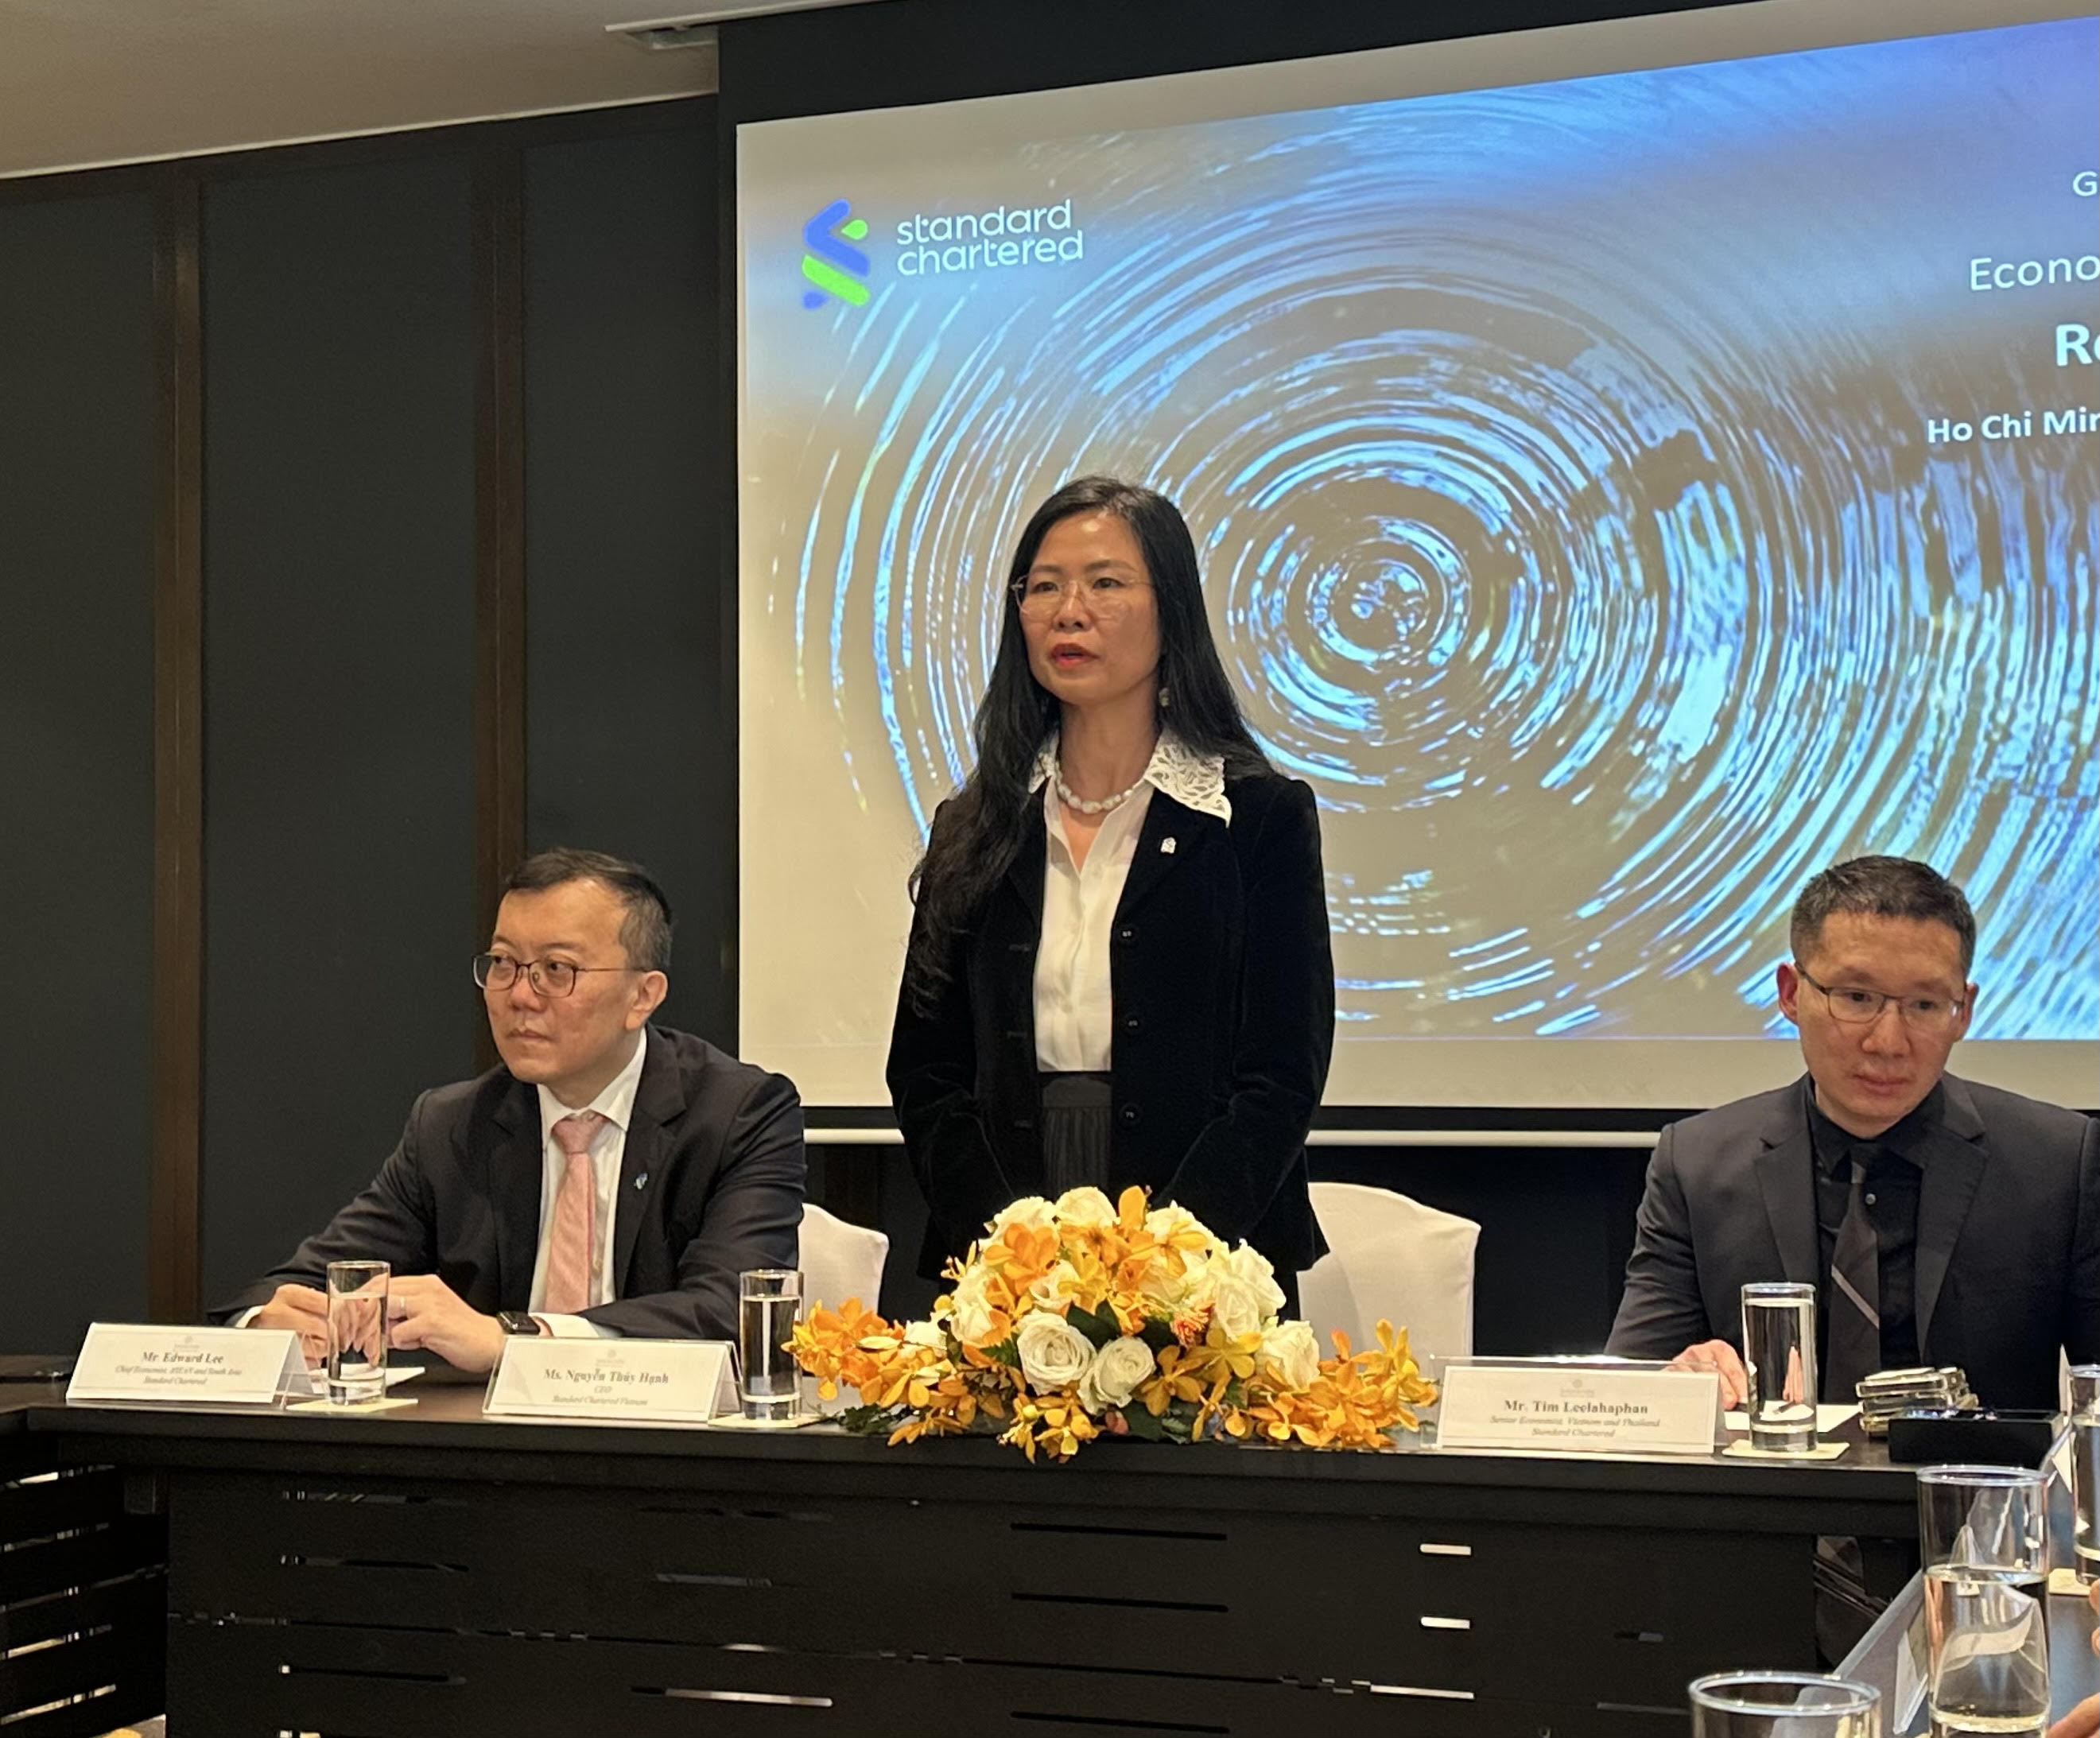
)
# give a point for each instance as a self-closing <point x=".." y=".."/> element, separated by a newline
<point x="1895" y="1162"/>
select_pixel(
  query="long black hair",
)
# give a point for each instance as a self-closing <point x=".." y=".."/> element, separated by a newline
<point x="980" y="827"/>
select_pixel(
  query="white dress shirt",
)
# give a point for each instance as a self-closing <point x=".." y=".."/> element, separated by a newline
<point x="615" y="1104"/>
<point x="1074" y="1015"/>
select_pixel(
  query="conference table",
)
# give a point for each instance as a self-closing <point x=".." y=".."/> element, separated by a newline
<point x="427" y="1571"/>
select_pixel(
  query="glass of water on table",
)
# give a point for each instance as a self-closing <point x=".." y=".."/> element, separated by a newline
<point x="357" y="1331"/>
<point x="1779" y="1357"/>
<point x="1783" y="1704"/>
<point x="2085" y="1467"/>
<point x="769" y="1382"/>
<point x="1983" y="1538"/>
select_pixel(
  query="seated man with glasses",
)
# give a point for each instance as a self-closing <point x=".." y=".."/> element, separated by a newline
<point x="609" y="1177"/>
<point x="1940" y="1221"/>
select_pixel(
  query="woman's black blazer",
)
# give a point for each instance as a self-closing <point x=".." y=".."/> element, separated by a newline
<point x="1222" y="979"/>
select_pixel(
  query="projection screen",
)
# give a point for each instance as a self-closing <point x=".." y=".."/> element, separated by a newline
<point x="1634" y="466"/>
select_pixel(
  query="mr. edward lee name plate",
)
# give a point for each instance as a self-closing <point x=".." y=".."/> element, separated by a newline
<point x="143" y="1363"/>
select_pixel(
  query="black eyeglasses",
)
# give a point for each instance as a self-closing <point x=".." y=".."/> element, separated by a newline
<point x="1926" y="1013"/>
<point x="548" y="978"/>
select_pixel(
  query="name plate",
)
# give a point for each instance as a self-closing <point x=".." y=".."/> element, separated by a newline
<point x="1578" y="1407"/>
<point x="628" y="1381"/>
<point x="122" y="1363"/>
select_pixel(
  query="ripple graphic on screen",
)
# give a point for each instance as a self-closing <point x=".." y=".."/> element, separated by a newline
<point x="1580" y="478"/>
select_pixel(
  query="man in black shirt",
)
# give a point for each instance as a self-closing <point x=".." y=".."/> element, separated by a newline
<point x="1941" y="1221"/>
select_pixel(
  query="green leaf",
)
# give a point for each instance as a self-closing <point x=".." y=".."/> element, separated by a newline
<point x="1143" y="1425"/>
<point x="1158" y="1335"/>
<point x="863" y="1421"/>
<point x="1003" y="1353"/>
<point x="1098" y="1326"/>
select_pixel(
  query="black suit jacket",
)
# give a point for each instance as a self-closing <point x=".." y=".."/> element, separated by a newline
<point x="2008" y="1234"/>
<point x="1222" y="979"/>
<point x="710" y="1184"/>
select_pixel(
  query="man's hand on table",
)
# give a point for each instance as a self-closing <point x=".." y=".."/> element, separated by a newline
<point x="427" y="1315"/>
<point x="2081" y="1722"/>
<point x="302" y="1309"/>
<point x="2085" y="1719"/>
<point x="1718" y="1355"/>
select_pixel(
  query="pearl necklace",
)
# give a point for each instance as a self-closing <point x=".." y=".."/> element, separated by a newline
<point x="1064" y="795"/>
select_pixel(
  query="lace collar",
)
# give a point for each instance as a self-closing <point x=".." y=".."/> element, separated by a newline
<point x="1195" y="781"/>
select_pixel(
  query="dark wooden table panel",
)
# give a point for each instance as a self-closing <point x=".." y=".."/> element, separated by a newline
<point x="81" y="1597"/>
<point x="425" y="1571"/>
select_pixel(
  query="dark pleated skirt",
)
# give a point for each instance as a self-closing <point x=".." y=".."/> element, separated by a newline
<point x="1075" y="1132"/>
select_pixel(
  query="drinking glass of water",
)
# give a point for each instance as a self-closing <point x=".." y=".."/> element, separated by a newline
<point x="1779" y="1355"/>
<point x="2085" y="1492"/>
<point x="356" y="1330"/>
<point x="1783" y="1704"/>
<point x="1982" y="1536"/>
<point x="768" y="1304"/>
<point x="2085" y="1467"/>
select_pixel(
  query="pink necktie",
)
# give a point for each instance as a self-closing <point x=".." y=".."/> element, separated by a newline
<point x="575" y="1214"/>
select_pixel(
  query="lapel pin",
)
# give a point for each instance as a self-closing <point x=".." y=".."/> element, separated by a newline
<point x="642" y="1180"/>
<point x="1167" y="847"/>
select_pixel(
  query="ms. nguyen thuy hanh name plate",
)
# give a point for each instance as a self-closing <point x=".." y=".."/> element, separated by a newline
<point x="1588" y="1408"/>
<point x="611" y="1381"/>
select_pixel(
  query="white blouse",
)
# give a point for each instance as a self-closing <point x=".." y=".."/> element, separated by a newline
<point x="1074" y="1017"/>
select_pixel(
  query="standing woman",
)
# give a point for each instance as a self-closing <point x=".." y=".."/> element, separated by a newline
<point x="1119" y="969"/>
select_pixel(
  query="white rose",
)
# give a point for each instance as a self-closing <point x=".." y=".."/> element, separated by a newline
<point x="1236" y="1306"/>
<point x="1169" y="1220"/>
<point x="969" y="1319"/>
<point x="1030" y="1210"/>
<point x="1049" y="1292"/>
<point x="1114" y="1374"/>
<point x="1084" y="1207"/>
<point x="1165" y="1290"/>
<point x="1054" y="1354"/>
<point x="925" y="1334"/>
<point x="1290" y="1347"/>
<point x="1254" y="1269"/>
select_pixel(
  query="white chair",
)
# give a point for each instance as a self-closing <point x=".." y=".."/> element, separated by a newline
<point x="839" y="1261"/>
<point x="1392" y="1258"/>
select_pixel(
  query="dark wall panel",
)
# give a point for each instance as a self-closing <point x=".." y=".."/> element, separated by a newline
<point x="76" y="481"/>
<point x="339" y="593"/>
<point x="627" y="727"/>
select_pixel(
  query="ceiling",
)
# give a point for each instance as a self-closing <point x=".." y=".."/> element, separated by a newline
<point x="86" y="82"/>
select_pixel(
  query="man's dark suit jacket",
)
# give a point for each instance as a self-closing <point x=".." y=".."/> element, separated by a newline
<point x="710" y="1184"/>
<point x="1222" y="979"/>
<point x="2008" y="1234"/>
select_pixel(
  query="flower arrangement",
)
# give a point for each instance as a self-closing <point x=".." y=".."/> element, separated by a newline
<point x="1083" y="1317"/>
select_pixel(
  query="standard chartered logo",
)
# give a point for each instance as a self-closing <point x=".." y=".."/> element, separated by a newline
<point x="934" y="244"/>
<point x="930" y="243"/>
<point x="835" y="269"/>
